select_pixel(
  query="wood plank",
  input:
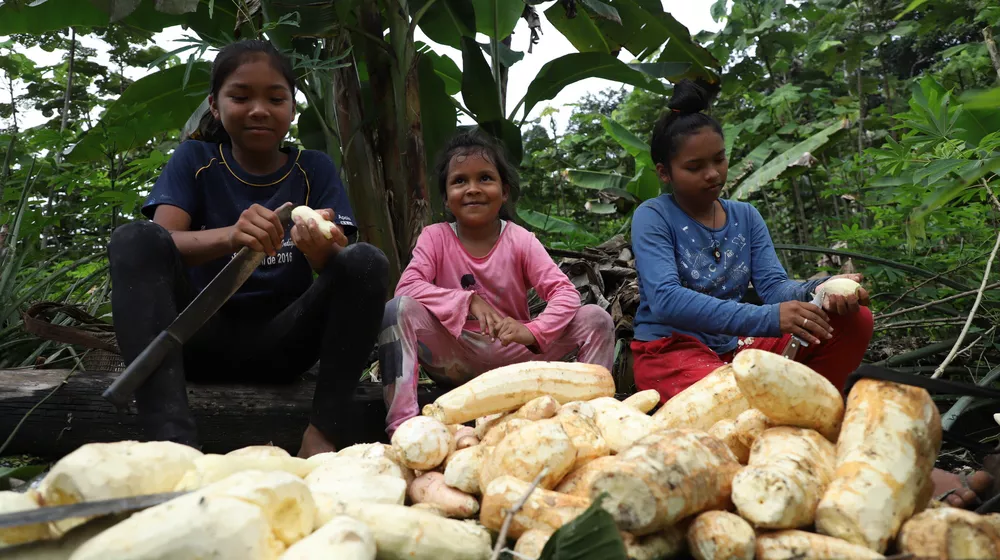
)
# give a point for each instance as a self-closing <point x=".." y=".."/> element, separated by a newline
<point x="228" y="416"/>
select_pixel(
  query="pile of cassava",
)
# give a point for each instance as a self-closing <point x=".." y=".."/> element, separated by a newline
<point x="761" y="459"/>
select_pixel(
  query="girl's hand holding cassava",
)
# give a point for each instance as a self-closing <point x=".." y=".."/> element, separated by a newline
<point x="489" y="319"/>
<point x="512" y="330"/>
<point x="805" y="321"/>
<point x="257" y="228"/>
<point x="842" y="305"/>
<point x="311" y="241"/>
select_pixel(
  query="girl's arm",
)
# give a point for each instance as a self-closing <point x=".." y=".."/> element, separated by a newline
<point x="552" y="286"/>
<point x="257" y="228"/>
<point x="196" y="247"/>
<point x="768" y="276"/>
<point x="451" y="307"/>
<point x="673" y="304"/>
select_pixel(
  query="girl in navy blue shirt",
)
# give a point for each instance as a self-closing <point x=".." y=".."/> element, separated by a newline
<point x="217" y="194"/>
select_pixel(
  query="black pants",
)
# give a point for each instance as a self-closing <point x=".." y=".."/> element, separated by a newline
<point x="336" y="321"/>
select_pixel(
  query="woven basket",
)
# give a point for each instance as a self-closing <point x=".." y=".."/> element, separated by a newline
<point x="89" y="332"/>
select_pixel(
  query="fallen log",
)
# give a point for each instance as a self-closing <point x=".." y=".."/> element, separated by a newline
<point x="228" y="416"/>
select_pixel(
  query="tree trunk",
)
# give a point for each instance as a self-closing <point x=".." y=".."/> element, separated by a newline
<point x="419" y="197"/>
<point x="387" y="137"/>
<point x="366" y="186"/>
<point x="229" y="416"/>
<point x="991" y="46"/>
<point x="818" y="210"/>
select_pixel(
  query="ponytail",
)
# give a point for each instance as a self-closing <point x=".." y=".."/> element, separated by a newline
<point x="210" y="130"/>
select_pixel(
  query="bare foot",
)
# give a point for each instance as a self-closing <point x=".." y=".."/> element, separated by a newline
<point x="314" y="443"/>
<point x="979" y="484"/>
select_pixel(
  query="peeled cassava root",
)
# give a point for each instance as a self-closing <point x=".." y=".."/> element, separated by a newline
<point x="789" y="393"/>
<point x="714" y="397"/>
<point x="344" y="538"/>
<point x="544" y="509"/>
<point x="17" y="501"/>
<point x="664" y="544"/>
<point x="406" y="532"/>
<point x="788" y="471"/>
<point x="947" y="533"/>
<point x="885" y="453"/>
<point x="509" y="387"/>
<point x="800" y="545"/>
<point x="719" y="535"/>
<point x="664" y="478"/>
<point x="836" y="287"/>
<point x="305" y="213"/>
<point x="422" y="443"/>
<point x="249" y="515"/>
<point x="643" y="401"/>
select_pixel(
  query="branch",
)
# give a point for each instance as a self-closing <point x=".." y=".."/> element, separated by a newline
<point x="935" y="302"/>
<point x="979" y="296"/>
<point x="502" y="536"/>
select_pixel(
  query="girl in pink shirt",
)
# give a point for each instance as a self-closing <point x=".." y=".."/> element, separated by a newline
<point x="461" y="306"/>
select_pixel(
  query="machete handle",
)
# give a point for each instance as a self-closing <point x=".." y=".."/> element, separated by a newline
<point x="140" y="369"/>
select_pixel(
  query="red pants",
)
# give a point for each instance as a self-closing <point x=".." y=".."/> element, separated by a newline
<point x="672" y="364"/>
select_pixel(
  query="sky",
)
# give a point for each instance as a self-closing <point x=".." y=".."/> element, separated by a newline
<point x="692" y="13"/>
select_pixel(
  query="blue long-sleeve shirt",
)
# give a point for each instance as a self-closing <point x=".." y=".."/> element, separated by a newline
<point x="683" y="290"/>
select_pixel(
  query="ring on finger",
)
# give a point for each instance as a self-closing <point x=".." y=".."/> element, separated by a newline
<point x="804" y="322"/>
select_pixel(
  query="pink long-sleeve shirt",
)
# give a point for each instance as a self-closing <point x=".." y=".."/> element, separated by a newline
<point x="443" y="276"/>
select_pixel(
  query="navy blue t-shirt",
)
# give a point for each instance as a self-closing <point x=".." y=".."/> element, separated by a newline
<point x="204" y="180"/>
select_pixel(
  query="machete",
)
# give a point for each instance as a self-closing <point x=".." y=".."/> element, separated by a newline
<point x="792" y="349"/>
<point x="84" y="509"/>
<point x="201" y="308"/>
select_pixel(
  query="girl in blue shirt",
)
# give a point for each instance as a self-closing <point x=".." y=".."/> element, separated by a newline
<point x="696" y="255"/>
<point x="217" y="194"/>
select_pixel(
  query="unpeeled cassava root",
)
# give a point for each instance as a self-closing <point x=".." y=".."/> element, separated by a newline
<point x="789" y="393"/>
<point x="788" y="471"/>
<point x="544" y="509"/>
<point x="712" y="398"/>
<point x="422" y="443"/>
<point x="664" y="478"/>
<point x="949" y="533"/>
<point x="620" y="424"/>
<point x="430" y="488"/>
<point x="890" y="438"/>
<point x="800" y="545"/>
<point x="509" y="387"/>
<point x="740" y="433"/>
<point x="524" y="454"/>
<point x="462" y="470"/>
<point x="720" y="535"/>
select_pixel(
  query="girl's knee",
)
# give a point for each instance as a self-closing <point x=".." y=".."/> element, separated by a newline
<point x="139" y="244"/>
<point x="858" y="325"/>
<point x="593" y="318"/>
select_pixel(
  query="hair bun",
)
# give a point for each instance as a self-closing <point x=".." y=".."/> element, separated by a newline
<point x="692" y="96"/>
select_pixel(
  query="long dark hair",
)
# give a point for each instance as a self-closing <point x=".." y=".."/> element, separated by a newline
<point x="474" y="142"/>
<point x="683" y="118"/>
<point x="230" y="58"/>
